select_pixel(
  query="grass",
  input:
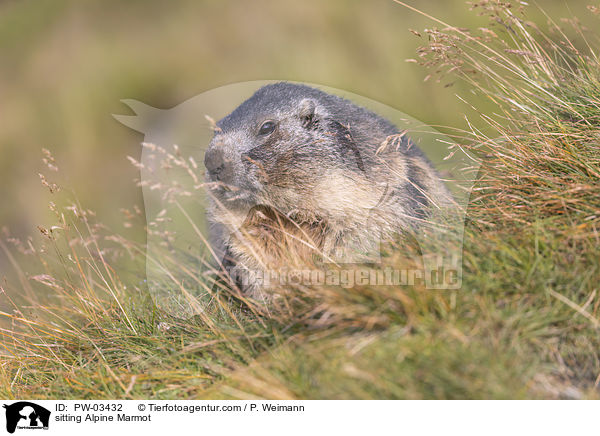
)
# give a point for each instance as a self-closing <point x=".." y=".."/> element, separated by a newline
<point x="525" y="324"/>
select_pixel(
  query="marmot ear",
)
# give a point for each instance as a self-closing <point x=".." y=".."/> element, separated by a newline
<point x="307" y="112"/>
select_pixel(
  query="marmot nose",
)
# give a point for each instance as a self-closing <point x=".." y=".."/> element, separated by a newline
<point x="213" y="160"/>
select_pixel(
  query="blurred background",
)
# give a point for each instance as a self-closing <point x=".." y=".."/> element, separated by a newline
<point x="66" y="64"/>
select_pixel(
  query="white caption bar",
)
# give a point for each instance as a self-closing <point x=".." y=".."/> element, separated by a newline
<point x="31" y="417"/>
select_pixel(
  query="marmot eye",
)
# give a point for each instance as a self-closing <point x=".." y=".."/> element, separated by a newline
<point x="266" y="128"/>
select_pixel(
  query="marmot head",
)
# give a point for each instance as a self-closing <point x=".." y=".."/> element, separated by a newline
<point x="294" y="147"/>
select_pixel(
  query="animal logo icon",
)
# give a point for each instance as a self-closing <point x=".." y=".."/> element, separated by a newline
<point x="26" y="415"/>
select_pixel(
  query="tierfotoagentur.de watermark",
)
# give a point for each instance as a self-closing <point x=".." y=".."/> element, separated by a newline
<point x="442" y="277"/>
<point x="190" y="168"/>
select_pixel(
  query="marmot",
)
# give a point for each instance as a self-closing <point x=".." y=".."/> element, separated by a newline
<point x="295" y="172"/>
